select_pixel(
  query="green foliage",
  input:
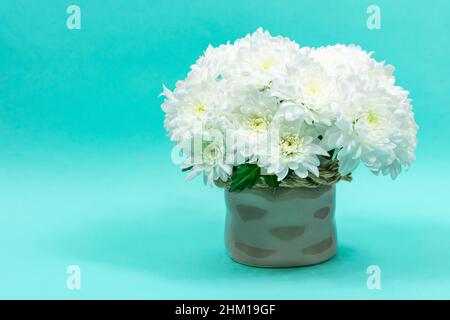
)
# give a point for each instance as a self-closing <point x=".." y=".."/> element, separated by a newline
<point x="271" y="181"/>
<point x="245" y="177"/>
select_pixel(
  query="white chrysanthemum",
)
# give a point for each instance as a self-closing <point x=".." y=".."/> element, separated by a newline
<point x="307" y="92"/>
<point x="262" y="58"/>
<point x="374" y="127"/>
<point x="404" y="138"/>
<point x="191" y="106"/>
<point x="296" y="149"/>
<point x="206" y="154"/>
<point x="252" y="119"/>
<point x="336" y="97"/>
<point x="202" y="98"/>
<point x="344" y="61"/>
<point x="215" y="64"/>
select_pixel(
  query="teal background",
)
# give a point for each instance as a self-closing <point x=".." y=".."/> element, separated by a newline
<point x="86" y="176"/>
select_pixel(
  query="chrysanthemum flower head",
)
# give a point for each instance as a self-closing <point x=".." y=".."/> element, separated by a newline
<point x="266" y="101"/>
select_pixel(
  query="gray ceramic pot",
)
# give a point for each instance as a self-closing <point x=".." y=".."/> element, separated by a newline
<point x="282" y="227"/>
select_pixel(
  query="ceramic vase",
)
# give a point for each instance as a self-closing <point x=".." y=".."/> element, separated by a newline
<point x="281" y="227"/>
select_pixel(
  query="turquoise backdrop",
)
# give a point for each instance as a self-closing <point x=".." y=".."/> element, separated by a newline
<point x="85" y="170"/>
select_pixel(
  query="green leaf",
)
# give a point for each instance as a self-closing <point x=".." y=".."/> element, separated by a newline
<point x="245" y="177"/>
<point x="271" y="181"/>
<point x="187" y="168"/>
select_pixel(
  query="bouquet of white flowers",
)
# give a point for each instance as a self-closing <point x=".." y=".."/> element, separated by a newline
<point x="265" y="111"/>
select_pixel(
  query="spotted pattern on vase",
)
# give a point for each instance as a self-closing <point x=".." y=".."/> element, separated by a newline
<point x="281" y="227"/>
